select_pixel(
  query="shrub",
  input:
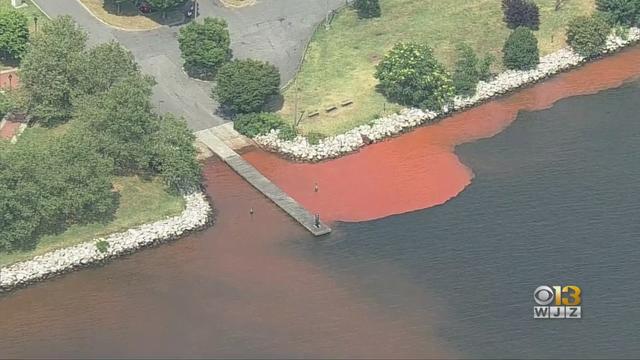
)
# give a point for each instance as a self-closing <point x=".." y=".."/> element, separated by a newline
<point x="314" y="137"/>
<point x="587" y="35"/>
<point x="205" y="47"/>
<point x="623" y="12"/>
<point x="14" y="35"/>
<point x="254" y="124"/>
<point x="102" y="246"/>
<point x="410" y="75"/>
<point x="484" y="68"/>
<point x="5" y="105"/>
<point x="244" y="86"/>
<point x="466" y="74"/>
<point x="521" y="13"/>
<point x="287" y="132"/>
<point x="367" y="8"/>
<point x="520" y="51"/>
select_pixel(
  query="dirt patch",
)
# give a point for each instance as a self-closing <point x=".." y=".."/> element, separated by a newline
<point x="237" y="3"/>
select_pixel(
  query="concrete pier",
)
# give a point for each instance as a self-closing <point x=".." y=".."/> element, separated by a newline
<point x="264" y="185"/>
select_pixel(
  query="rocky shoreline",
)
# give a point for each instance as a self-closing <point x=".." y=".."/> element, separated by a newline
<point x="335" y="146"/>
<point x="196" y="216"/>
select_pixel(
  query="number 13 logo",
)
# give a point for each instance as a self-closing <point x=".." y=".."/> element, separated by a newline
<point x="573" y="298"/>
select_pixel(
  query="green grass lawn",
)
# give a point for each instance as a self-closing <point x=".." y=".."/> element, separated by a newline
<point x="141" y="202"/>
<point x="30" y="11"/>
<point x="341" y="61"/>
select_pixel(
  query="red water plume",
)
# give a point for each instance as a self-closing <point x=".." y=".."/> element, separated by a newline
<point x="419" y="170"/>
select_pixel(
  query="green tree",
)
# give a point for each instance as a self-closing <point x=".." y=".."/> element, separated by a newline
<point x="205" y="47"/>
<point x="173" y="154"/>
<point x="521" y="13"/>
<point x="121" y="121"/>
<point x="48" y="183"/>
<point x="49" y="70"/>
<point x="122" y="127"/>
<point x="119" y="4"/>
<point x="244" y="86"/>
<point x="466" y="74"/>
<point x="484" y="68"/>
<point x="14" y="35"/>
<point x="164" y="5"/>
<point x="83" y="181"/>
<point x="622" y="12"/>
<point x="410" y="75"/>
<point x="520" y="51"/>
<point x="587" y="35"/>
<point x="102" y="66"/>
<point x="367" y="8"/>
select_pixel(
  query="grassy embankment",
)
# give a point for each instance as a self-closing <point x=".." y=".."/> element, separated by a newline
<point x="30" y="11"/>
<point x="341" y="61"/>
<point x="141" y="201"/>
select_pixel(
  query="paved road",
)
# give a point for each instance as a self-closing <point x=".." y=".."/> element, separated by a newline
<point x="271" y="30"/>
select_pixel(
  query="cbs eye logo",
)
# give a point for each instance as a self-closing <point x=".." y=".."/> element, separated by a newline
<point x="557" y="302"/>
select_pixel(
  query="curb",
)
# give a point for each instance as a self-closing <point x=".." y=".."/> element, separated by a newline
<point x="39" y="8"/>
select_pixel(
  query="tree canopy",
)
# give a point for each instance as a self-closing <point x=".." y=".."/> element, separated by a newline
<point x="466" y="74"/>
<point x="587" y="35"/>
<point x="521" y="13"/>
<point x="622" y="12"/>
<point x="73" y="186"/>
<point x="520" y="51"/>
<point x="164" y="5"/>
<point x="120" y="120"/>
<point x="49" y="179"/>
<point x="58" y="70"/>
<point x="14" y="35"/>
<point x="244" y="86"/>
<point x="102" y="66"/>
<point x="125" y="129"/>
<point x="173" y="154"/>
<point x="205" y="47"/>
<point x="410" y="75"/>
<point x="50" y="67"/>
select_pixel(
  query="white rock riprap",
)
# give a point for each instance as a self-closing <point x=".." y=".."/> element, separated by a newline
<point x="335" y="146"/>
<point x="195" y="216"/>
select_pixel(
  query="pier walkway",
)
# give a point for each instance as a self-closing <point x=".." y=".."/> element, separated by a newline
<point x="260" y="182"/>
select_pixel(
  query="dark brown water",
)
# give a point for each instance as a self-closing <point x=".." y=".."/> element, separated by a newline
<point x="554" y="200"/>
<point x="233" y="290"/>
